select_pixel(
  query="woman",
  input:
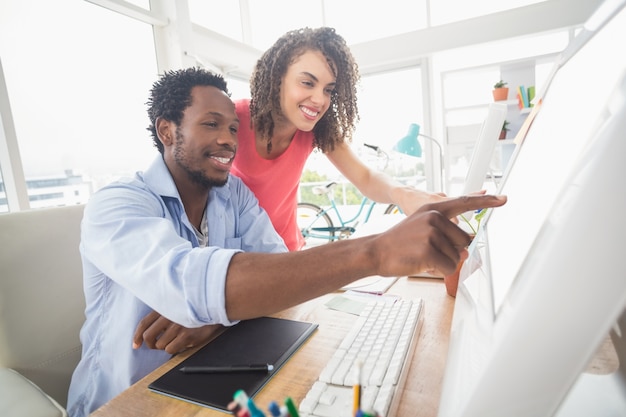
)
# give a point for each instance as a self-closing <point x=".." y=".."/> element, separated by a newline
<point x="303" y="97"/>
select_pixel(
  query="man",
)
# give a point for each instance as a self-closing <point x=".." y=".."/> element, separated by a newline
<point x="187" y="240"/>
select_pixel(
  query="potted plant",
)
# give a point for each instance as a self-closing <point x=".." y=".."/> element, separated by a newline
<point x="505" y="128"/>
<point x="500" y="91"/>
<point x="452" y="281"/>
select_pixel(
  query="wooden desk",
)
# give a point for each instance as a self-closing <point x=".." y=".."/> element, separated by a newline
<point x="422" y="389"/>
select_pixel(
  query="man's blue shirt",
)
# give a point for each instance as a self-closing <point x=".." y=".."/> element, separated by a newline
<point x="140" y="253"/>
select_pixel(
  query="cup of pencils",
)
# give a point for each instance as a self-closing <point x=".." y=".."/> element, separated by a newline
<point x="243" y="406"/>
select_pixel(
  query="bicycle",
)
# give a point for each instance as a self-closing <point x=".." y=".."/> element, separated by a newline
<point x="317" y="226"/>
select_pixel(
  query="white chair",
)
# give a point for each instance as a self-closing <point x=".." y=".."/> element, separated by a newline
<point x="41" y="309"/>
<point x="20" y="397"/>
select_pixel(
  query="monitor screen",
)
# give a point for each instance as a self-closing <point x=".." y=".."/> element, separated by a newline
<point x="544" y="282"/>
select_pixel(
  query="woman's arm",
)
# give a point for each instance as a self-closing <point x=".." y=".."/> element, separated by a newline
<point x="379" y="186"/>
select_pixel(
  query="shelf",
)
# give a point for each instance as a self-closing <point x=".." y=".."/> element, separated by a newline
<point x="508" y="102"/>
<point x="524" y="110"/>
<point x="506" y="142"/>
<point x="479" y="106"/>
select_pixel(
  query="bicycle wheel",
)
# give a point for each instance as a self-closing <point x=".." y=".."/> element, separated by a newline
<point x="315" y="225"/>
<point x="393" y="209"/>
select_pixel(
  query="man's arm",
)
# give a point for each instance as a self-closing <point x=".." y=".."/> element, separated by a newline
<point x="424" y="241"/>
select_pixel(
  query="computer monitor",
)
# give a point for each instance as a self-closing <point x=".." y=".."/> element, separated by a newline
<point x="544" y="284"/>
<point x="483" y="150"/>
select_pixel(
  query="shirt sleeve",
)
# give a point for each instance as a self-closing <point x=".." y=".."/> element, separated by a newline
<point x="129" y="236"/>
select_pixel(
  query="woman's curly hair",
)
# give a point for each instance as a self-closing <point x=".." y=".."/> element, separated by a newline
<point x="171" y="95"/>
<point x="338" y="123"/>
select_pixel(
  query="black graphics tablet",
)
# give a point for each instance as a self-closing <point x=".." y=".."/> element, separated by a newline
<point x="264" y="340"/>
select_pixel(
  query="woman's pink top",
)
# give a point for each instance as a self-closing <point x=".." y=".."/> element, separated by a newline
<point x="275" y="182"/>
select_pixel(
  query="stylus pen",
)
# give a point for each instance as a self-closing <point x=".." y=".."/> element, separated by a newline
<point x="228" y="369"/>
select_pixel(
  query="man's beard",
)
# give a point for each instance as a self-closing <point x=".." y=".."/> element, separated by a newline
<point x="199" y="178"/>
<point x="196" y="176"/>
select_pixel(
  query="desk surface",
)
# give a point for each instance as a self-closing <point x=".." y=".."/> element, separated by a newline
<point x="422" y="389"/>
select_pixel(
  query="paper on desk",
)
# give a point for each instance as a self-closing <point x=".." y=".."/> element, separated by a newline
<point x="345" y="304"/>
<point x="374" y="284"/>
<point x="426" y="275"/>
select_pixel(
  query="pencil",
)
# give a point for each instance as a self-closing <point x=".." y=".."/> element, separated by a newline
<point x="357" y="389"/>
<point x="291" y="407"/>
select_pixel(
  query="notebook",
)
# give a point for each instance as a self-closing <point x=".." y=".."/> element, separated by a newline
<point x="265" y="340"/>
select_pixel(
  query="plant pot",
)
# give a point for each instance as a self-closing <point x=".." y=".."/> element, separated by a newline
<point x="452" y="281"/>
<point x="500" y="94"/>
<point x="502" y="135"/>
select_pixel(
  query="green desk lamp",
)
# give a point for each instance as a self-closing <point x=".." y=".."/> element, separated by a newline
<point x="409" y="145"/>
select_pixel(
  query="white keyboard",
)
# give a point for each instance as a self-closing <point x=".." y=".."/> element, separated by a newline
<point x="380" y="342"/>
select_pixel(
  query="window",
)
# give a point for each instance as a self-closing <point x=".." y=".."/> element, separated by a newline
<point x="388" y="103"/>
<point x="77" y="79"/>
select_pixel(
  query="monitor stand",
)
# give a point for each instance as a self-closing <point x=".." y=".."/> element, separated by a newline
<point x="600" y="395"/>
